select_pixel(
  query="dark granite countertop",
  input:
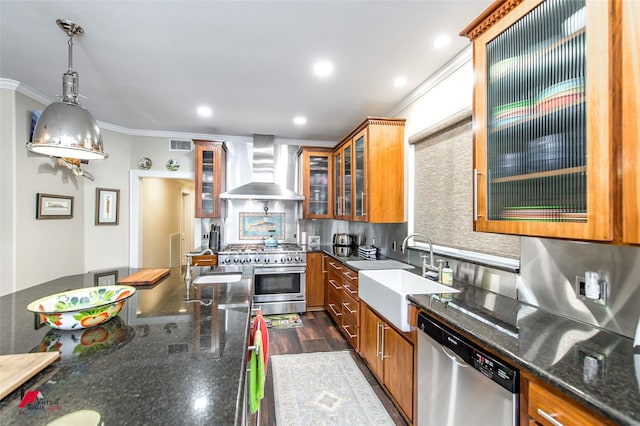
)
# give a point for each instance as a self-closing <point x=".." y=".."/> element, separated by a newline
<point x="546" y="345"/>
<point x="164" y="361"/>
<point x="549" y="346"/>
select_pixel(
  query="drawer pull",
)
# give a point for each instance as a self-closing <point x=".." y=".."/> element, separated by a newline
<point x="335" y="266"/>
<point x="348" y="275"/>
<point x="338" y="314"/>
<point x="333" y="283"/>
<point x="549" y="418"/>
<point x="346" y="306"/>
<point x="346" y="287"/>
<point x="346" y="330"/>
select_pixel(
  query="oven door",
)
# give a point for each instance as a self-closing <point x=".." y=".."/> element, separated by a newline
<point x="279" y="284"/>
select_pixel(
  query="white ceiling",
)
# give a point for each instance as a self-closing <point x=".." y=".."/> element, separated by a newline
<point x="149" y="64"/>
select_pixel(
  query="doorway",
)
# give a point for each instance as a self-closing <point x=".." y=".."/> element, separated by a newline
<point x="161" y="220"/>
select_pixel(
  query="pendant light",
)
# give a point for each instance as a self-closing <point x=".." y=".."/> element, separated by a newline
<point x="66" y="129"/>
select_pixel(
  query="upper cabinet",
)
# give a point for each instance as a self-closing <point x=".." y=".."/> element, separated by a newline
<point x="545" y="97"/>
<point x="343" y="171"/>
<point x="630" y="123"/>
<point x="315" y="165"/>
<point x="369" y="172"/>
<point x="210" y="177"/>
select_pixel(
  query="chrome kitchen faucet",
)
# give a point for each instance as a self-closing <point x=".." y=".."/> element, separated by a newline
<point x="426" y="267"/>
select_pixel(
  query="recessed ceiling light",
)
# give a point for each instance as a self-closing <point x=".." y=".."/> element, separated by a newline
<point x="204" y="111"/>
<point x="323" y="68"/>
<point x="399" y="81"/>
<point x="441" y="41"/>
<point x="299" y="120"/>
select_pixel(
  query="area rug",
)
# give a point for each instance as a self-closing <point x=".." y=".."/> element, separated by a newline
<point x="324" y="388"/>
<point x="283" y="321"/>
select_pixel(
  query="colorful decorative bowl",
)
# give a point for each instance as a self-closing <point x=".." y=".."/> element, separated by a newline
<point x="82" y="308"/>
<point x="173" y="165"/>
<point x="88" y="342"/>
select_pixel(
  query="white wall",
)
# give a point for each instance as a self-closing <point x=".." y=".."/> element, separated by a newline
<point x="44" y="249"/>
<point x="7" y="190"/>
<point x="107" y="246"/>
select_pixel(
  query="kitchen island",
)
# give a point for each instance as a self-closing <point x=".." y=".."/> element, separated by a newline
<point x="160" y="361"/>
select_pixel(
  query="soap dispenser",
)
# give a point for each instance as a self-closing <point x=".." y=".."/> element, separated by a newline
<point x="447" y="275"/>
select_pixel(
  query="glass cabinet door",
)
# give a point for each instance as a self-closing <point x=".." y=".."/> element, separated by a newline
<point x="337" y="167"/>
<point x="535" y="171"/>
<point x="359" y="181"/>
<point x="319" y="185"/>
<point x="347" y="181"/>
<point x="206" y="183"/>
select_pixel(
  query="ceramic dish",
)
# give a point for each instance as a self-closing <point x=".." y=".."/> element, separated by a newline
<point x="82" y="308"/>
<point x="88" y="342"/>
<point x="173" y="165"/>
<point x="145" y="163"/>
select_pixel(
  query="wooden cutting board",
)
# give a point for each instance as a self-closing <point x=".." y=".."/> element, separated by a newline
<point x="145" y="277"/>
<point x="18" y="368"/>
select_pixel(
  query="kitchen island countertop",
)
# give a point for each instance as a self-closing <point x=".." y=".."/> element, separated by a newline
<point x="160" y="361"/>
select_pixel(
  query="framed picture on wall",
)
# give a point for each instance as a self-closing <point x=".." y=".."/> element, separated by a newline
<point x="50" y="206"/>
<point x="107" y="206"/>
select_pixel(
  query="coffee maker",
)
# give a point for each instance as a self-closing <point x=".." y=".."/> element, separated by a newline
<point x="214" y="238"/>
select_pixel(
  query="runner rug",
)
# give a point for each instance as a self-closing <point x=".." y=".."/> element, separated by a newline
<point x="324" y="388"/>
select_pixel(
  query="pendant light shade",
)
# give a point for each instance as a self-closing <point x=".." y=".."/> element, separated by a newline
<point x="65" y="128"/>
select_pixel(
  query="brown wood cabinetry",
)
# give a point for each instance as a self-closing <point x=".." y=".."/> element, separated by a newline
<point x="545" y="96"/>
<point x="544" y="405"/>
<point x="343" y="303"/>
<point x="205" y="260"/>
<point x="316" y="178"/>
<point x="315" y="282"/>
<point x="390" y="356"/>
<point x="630" y="123"/>
<point x="210" y="177"/>
<point x="369" y="172"/>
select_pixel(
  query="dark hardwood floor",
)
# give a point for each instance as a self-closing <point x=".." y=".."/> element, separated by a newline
<point x="319" y="334"/>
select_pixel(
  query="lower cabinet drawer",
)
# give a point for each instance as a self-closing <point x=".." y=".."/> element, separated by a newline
<point x="547" y="408"/>
<point x="351" y="309"/>
<point x="350" y="331"/>
<point x="205" y="260"/>
<point x="334" y="305"/>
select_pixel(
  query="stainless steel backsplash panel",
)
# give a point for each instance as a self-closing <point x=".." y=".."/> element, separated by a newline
<point x="547" y="280"/>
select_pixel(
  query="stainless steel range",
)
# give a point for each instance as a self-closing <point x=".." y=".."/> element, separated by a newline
<point x="280" y="274"/>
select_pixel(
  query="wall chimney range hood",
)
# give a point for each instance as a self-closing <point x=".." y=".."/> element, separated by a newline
<point x="262" y="185"/>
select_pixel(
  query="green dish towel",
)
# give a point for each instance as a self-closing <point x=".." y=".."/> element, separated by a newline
<point x="256" y="374"/>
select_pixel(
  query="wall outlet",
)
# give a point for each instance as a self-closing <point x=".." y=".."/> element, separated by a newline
<point x="581" y="290"/>
<point x="205" y="236"/>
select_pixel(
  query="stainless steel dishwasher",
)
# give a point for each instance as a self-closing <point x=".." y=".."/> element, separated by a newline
<point x="461" y="384"/>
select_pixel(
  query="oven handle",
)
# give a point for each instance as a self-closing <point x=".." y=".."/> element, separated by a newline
<point x="279" y="270"/>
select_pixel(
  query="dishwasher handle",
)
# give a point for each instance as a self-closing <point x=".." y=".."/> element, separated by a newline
<point x="454" y="357"/>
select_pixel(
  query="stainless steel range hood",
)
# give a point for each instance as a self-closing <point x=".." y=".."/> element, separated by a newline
<point x="262" y="185"/>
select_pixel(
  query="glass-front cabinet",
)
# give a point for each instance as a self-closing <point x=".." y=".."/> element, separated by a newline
<point x="359" y="181"/>
<point x="543" y="145"/>
<point x="209" y="177"/>
<point x="343" y="172"/>
<point x="316" y="177"/>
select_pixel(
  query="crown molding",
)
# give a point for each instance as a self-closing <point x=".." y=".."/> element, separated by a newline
<point x="6" y="83"/>
<point x="436" y="78"/>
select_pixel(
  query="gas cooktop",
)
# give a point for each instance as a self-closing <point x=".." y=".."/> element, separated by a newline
<point x="282" y="247"/>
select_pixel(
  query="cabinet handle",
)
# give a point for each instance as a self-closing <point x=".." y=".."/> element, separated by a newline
<point x="346" y="287"/>
<point x="346" y="306"/>
<point x="382" y="329"/>
<point x="364" y="213"/>
<point x="549" y="418"/>
<point x="338" y="314"/>
<point x="377" y="339"/>
<point x="323" y="263"/>
<point x="346" y="329"/>
<point x="475" y="195"/>
<point x="333" y="283"/>
<point x="348" y="275"/>
<point x="334" y="266"/>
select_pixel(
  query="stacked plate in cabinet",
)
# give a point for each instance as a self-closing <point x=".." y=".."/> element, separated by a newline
<point x="560" y="95"/>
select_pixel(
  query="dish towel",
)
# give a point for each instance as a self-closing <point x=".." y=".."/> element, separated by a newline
<point x="259" y="323"/>
<point x="257" y="373"/>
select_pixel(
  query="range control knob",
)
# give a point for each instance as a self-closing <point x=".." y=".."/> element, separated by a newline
<point x="236" y="260"/>
<point x="297" y="259"/>
<point x="267" y="260"/>
<point x="256" y="260"/>
<point x="289" y="259"/>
